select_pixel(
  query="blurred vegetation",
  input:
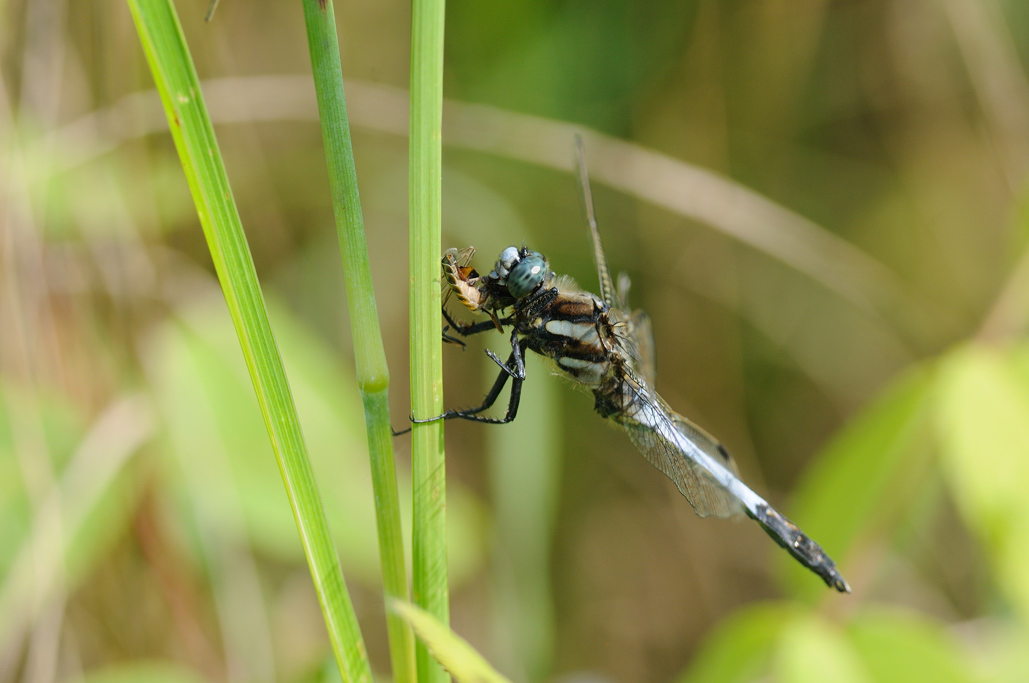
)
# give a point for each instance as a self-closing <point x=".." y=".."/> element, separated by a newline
<point x="842" y="297"/>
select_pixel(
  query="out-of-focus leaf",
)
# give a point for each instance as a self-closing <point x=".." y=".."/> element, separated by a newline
<point x="450" y="650"/>
<point x="142" y="672"/>
<point x="784" y="640"/>
<point x="998" y="648"/>
<point x="79" y="201"/>
<point x="897" y="647"/>
<point x="813" y="650"/>
<point x="524" y="462"/>
<point x="93" y="531"/>
<point x="531" y="55"/>
<point x="76" y="519"/>
<point x="983" y="427"/>
<point x="215" y="431"/>
<point x="739" y="650"/>
<point x="62" y="427"/>
<point x="866" y="478"/>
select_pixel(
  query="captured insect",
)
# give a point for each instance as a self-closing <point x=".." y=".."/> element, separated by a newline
<point x="595" y="341"/>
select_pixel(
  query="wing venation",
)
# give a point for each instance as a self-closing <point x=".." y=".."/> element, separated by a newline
<point x="649" y="422"/>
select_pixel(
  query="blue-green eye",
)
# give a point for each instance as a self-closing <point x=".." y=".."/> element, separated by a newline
<point x="526" y="275"/>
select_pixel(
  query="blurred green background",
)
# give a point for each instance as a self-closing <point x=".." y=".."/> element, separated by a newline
<point x="822" y="204"/>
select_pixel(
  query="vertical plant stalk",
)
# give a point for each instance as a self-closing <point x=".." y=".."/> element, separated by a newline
<point x="369" y="356"/>
<point x="172" y="67"/>
<point x="428" y="465"/>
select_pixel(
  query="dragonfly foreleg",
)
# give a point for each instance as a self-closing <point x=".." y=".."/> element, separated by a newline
<point x="467" y="329"/>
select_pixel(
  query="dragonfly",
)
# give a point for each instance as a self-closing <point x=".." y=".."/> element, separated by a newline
<point x="597" y="342"/>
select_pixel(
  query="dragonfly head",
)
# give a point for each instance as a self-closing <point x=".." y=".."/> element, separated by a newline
<point x="520" y="270"/>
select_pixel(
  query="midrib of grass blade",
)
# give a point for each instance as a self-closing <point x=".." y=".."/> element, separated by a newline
<point x="428" y="467"/>
<point x="370" y="357"/>
<point x="172" y="67"/>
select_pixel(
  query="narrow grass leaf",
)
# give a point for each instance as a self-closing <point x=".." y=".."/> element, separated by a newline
<point x="430" y="589"/>
<point x="176" y="79"/>
<point x="450" y="650"/>
<point x="369" y="355"/>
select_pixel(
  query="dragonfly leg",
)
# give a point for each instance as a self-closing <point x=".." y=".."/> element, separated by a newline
<point x="452" y="340"/>
<point x="468" y="329"/>
<point x="514" y="369"/>
<point x="518" y="371"/>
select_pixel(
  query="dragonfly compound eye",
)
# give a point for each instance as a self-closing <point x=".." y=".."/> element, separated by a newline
<point x="507" y="260"/>
<point x="527" y="275"/>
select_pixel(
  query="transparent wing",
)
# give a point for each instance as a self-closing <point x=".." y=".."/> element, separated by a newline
<point x="624" y="283"/>
<point x="696" y="462"/>
<point x="607" y="288"/>
<point x="668" y="440"/>
<point x="634" y="342"/>
<point x="650" y="424"/>
<point x="705" y="474"/>
<point x="641" y="347"/>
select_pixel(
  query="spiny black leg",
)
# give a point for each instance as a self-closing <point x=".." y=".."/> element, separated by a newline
<point x="513" y="368"/>
<point x="491" y="397"/>
<point x="468" y="329"/>
<point x="452" y="340"/>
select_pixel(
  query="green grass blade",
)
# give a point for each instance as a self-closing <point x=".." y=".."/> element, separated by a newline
<point x="451" y="651"/>
<point x="370" y="357"/>
<point x="176" y="79"/>
<point x="428" y="465"/>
